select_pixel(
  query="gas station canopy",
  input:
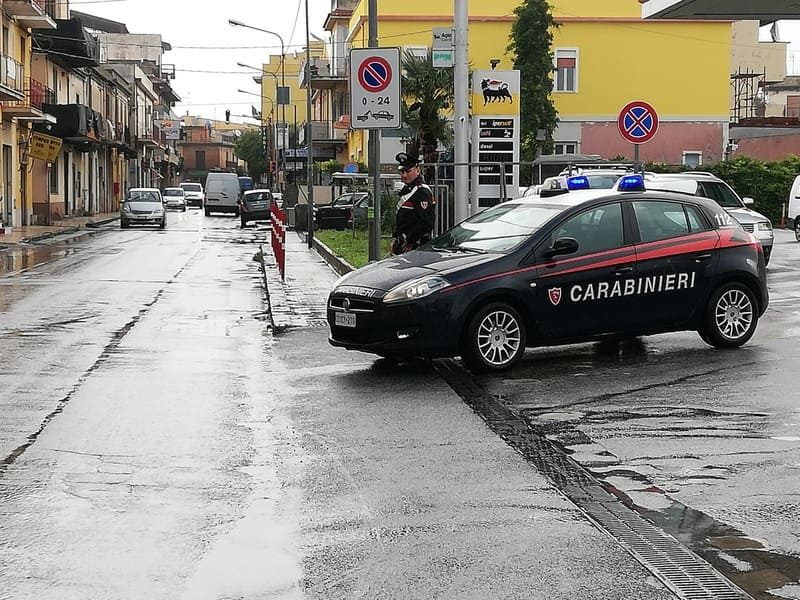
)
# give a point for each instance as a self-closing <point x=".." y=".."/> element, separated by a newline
<point x="765" y="11"/>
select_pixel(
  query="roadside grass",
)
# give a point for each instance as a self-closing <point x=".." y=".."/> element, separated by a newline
<point x="351" y="246"/>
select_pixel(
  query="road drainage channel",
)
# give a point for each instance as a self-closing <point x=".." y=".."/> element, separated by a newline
<point x="650" y="537"/>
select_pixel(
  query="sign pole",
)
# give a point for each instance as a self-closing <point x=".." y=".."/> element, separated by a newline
<point x="374" y="155"/>
<point x="461" y="122"/>
<point x="636" y="153"/>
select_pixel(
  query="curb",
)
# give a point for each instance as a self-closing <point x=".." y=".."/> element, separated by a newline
<point x="68" y="230"/>
<point x="340" y="265"/>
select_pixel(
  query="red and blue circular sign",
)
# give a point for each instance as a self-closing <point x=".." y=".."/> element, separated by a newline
<point x="638" y="122"/>
<point x="374" y="74"/>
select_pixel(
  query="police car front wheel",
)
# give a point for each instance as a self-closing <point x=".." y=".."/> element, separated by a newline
<point x="731" y="316"/>
<point x="797" y="228"/>
<point x="494" y="339"/>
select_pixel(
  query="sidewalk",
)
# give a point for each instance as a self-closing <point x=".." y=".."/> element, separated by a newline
<point x="300" y="300"/>
<point x="32" y="233"/>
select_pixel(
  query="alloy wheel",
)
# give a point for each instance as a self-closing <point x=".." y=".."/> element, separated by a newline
<point x="499" y="338"/>
<point x="734" y="314"/>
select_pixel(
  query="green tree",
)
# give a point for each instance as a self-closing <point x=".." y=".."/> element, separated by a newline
<point x="250" y="148"/>
<point x="427" y="99"/>
<point x="531" y="43"/>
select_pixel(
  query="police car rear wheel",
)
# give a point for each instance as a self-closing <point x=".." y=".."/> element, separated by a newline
<point x="495" y="338"/>
<point x="731" y="316"/>
<point x="797" y="228"/>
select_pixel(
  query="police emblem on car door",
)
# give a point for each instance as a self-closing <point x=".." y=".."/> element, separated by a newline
<point x="581" y="274"/>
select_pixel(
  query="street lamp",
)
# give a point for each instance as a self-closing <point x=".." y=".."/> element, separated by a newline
<point x="281" y="101"/>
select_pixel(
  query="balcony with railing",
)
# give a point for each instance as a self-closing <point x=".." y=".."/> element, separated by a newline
<point x="36" y="95"/>
<point x="12" y="79"/>
<point x="36" y="14"/>
<point x="324" y="131"/>
<point x="326" y="73"/>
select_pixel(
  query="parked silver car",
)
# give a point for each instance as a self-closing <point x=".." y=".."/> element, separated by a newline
<point x="143" y="206"/>
<point x="195" y="196"/>
<point x="709" y="185"/>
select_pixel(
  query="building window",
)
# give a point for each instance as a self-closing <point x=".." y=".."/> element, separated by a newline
<point x="692" y="158"/>
<point x="54" y="177"/>
<point x="566" y="70"/>
<point x="565" y="148"/>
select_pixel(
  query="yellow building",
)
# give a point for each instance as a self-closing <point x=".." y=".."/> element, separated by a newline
<point x="294" y="113"/>
<point x="605" y="56"/>
<point x="22" y="98"/>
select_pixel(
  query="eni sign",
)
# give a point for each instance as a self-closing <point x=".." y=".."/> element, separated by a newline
<point x="495" y="93"/>
<point x="44" y="147"/>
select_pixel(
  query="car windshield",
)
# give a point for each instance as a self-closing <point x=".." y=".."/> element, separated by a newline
<point x="257" y="196"/>
<point x="175" y="192"/>
<point x="192" y="187"/>
<point x="143" y="196"/>
<point x="498" y="229"/>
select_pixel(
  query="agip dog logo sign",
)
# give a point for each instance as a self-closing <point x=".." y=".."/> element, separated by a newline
<point x="495" y="93"/>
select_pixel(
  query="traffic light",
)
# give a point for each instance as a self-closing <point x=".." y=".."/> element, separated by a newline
<point x="227" y="115"/>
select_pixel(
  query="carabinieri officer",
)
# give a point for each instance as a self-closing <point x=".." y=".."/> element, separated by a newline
<point x="416" y="213"/>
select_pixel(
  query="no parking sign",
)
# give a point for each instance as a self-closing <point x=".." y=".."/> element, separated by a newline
<point x="375" y="88"/>
<point x="638" y="122"/>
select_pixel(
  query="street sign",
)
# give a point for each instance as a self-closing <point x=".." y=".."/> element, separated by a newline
<point x="44" y="147"/>
<point x="443" y="58"/>
<point x="442" y="38"/>
<point x="496" y="137"/>
<point x="638" y="122"/>
<point x="375" y="88"/>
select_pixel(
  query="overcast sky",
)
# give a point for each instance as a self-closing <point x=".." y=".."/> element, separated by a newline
<point x="190" y="23"/>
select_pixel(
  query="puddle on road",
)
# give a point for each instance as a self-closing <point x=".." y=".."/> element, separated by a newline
<point x="748" y="562"/>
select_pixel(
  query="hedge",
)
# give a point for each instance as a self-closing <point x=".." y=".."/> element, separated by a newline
<point x="768" y="183"/>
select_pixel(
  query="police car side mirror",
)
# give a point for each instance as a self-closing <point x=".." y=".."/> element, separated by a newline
<point x="561" y="247"/>
<point x="748" y="201"/>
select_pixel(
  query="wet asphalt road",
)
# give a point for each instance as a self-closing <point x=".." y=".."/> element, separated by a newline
<point x="156" y="441"/>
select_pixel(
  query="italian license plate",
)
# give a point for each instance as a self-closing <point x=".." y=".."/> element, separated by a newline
<point x="345" y="319"/>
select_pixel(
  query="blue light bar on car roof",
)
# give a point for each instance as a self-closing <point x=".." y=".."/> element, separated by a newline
<point x="631" y="183"/>
<point x="578" y="182"/>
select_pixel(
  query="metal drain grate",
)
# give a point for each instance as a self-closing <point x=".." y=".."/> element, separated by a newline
<point x="682" y="571"/>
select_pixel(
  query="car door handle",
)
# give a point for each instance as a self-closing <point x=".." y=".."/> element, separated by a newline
<point x="701" y="257"/>
<point x="623" y="270"/>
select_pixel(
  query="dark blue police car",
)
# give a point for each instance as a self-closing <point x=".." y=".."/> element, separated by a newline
<point x="587" y="264"/>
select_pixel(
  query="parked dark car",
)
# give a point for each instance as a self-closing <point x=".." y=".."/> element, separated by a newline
<point x="585" y="265"/>
<point x="340" y="213"/>
<point x="255" y="206"/>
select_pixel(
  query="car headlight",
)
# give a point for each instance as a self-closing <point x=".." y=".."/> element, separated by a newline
<point x="416" y="288"/>
<point x="765" y="226"/>
<point x="126" y="208"/>
<point x="158" y="211"/>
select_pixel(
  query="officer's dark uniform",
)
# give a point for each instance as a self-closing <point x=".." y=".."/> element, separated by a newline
<point x="415" y="211"/>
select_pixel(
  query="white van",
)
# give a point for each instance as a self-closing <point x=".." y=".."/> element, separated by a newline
<point x="222" y="193"/>
<point x="794" y="208"/>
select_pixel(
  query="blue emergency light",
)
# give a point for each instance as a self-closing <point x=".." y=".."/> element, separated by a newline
<point x="631" y="183"/>
<point x="578" y="182"/>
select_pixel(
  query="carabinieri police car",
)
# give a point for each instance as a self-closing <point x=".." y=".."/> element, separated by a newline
<point x="584" y="265"/>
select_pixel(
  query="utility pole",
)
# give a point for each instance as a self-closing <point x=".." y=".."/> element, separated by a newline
<point x="461" y="125"/>
<point x="375" y="154"/>
<point x="309" y="145"/>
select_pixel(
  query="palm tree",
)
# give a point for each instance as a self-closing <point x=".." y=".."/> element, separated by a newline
<point x="427" y="97"/>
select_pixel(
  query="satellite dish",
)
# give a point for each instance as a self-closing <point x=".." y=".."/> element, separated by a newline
<point x="237" y="133"/>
